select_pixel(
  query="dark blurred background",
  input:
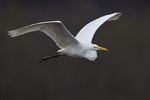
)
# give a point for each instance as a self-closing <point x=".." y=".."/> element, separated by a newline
<point x="123" y="73"/>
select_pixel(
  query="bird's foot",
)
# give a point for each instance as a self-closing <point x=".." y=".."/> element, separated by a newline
<point x="44" y="58"/>
<point x="49" y="57"/>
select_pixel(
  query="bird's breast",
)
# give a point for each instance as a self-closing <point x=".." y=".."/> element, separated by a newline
<point x="71" y="50"/>
<point x="79" y="51"/>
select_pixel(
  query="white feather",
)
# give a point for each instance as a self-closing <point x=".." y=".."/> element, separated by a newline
<point x="54" y="29"/>
<point x="87" y="32"/>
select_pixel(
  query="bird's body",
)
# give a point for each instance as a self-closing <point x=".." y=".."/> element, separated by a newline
<point x="81" y="50"/>
<point x="79" y="46"/>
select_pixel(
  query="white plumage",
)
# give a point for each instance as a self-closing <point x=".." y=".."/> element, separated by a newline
<point x="79" y="46"/>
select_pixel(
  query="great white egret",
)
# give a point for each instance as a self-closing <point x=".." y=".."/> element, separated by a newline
<point x="79" y="46"/>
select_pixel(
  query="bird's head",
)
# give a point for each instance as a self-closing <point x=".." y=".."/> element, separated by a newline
<point x="96" y="47"/>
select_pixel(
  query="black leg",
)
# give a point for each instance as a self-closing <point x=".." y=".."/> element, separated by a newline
<point x="49" y="57"/>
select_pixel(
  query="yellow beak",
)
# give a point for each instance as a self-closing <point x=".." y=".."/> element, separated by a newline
<point x="101" y="48"/>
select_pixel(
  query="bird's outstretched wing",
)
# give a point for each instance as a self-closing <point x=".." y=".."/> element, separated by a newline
<point x="87" y="32"/>
<point x="54" y="29"/>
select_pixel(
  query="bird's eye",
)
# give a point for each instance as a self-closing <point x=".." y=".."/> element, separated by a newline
<point x="95" y="46"/>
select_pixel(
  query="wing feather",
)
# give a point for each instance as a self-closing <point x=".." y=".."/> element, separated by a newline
<point x="87" y="32"/>
<point x="54" y="29"/>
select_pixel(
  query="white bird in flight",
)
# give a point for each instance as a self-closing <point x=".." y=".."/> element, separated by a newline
<point x="78" y="46"/>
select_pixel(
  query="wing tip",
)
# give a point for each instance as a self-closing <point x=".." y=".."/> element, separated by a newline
<point x="118" y="14"/>
<point x="12" y="33"/>
<point x="115" y="16"/>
